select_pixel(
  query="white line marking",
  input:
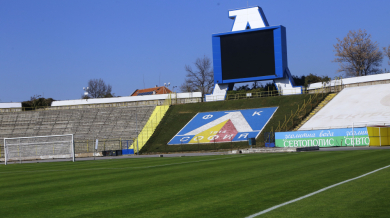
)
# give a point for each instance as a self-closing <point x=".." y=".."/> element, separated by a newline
<point x="313" y="193"/>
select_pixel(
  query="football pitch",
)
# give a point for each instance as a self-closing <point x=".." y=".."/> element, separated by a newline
<point x="202" y="186"/>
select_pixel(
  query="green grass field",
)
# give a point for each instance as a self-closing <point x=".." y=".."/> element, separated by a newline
<point x="208" y="186"/>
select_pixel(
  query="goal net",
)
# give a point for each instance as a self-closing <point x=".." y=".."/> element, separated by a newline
<point x="39" y="148"/>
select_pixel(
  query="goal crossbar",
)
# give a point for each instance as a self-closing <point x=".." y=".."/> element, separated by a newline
<point x="37" y="143"/>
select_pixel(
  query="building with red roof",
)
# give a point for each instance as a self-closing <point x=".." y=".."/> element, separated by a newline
<point x="151" y="91"/>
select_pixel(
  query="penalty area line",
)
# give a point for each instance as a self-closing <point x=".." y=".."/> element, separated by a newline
<point x="313" y="193"/>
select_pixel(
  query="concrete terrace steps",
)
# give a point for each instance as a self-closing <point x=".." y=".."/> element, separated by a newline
<point x="84" y="123"/>
<point x="318" y="108"/>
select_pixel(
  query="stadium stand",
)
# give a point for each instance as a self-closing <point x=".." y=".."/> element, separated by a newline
<point x="86" y="124"/>
<point x="116" y="121"/>
<point x="354" y="106"/>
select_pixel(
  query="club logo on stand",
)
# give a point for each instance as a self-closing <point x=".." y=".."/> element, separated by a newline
<point x="224" y="126"/>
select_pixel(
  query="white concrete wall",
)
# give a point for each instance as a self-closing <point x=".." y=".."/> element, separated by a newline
<point x="356" y="106"/>
<point x="125" y="99"/>
<point x="11" y="105"/>
<point x="285" y="87"/>
<point x="219" y="93"/>
<point x="346" y="81"/>
<point x="215" y="98"/>
<point x="291" y="91"/>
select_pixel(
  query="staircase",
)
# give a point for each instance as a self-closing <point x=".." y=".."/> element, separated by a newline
<point x="149" y="127"/>
<point x="319" y="107"/>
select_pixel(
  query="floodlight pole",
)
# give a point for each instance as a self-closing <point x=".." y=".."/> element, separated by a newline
<point x="5" y="154"/>
<point x="20" y="157"/>
<point x="353" y="135"/>
<point x="136" y="128"/>
<point x="95" y="149"/>
<point x="73" y="152"/>
<point x="166" y="86"/>
<point x="85" y="91"/>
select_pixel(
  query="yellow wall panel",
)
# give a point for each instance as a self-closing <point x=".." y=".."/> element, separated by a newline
<point x="379" y="136"/>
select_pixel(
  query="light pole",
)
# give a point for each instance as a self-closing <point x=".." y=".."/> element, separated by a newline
<point x="166" y="85"/>
<point x="85" y="91"/>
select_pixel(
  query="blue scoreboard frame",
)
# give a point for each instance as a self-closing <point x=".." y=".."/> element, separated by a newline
<point x="280" y="52"/>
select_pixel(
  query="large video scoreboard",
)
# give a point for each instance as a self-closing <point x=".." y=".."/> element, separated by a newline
<point x="249" y="55"/>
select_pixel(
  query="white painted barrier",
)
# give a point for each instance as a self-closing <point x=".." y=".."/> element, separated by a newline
<point x="11" y="105"/>
<point x="353" y="80"/>
<point x="126" y="99"/>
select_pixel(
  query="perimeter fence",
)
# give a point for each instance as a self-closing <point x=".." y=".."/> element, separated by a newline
<point x="202" y="147"/>
<point x="2" y="150"/>
<point x="273" y="93"/>
<point x="88" y="146"/>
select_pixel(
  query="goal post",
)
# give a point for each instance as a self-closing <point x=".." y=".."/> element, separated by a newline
<point x="39" y="148"/>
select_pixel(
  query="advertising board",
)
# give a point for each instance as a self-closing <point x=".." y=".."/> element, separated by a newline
<point x="323" y="138"/>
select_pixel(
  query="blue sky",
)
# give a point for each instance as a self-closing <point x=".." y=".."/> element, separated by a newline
<point x="53" y="48"/>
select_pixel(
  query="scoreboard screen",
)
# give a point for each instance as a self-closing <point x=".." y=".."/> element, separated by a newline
<point x="248" y="54"/>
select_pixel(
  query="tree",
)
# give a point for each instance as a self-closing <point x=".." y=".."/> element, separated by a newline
<point x="255" y="85"/>
<point x="99" y="89"/>
<point x="201" y="79"/>
<point x="270" y="86"/>
<point x="299" y="81"/>
<point x="309" y="79"/>
<point x="313" y="78"/>
<point x="185" y="87"/>
<point x="243" y="88"/>
<point x="357" y="55"/>
<point x="387" y="52"/>
<point x="37" y="101"/>
<point x="85" y="96"/>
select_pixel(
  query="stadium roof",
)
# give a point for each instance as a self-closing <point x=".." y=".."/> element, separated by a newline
<point x="151" y="91"/>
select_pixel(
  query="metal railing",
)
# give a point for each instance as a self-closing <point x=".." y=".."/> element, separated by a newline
<point x="296" y="116"/>
<point x="272" y="93"/>
<point x="88" y="146"/>
<point x="151" y="125"/>
<point x="252" y="95"/>
<point x="301" y="111"/>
